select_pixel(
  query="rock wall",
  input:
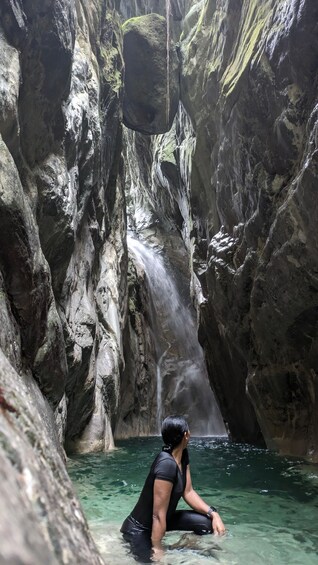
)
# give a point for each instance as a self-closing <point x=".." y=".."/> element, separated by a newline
<point x="63" y="264"/>
<point x="240" y="190"/>
<point x="138" y="403"/>
<point x="64" y="267"/>
<point x="254" y="109"/>
<point x="41" y="520"/>
<point x="232" y="183"/>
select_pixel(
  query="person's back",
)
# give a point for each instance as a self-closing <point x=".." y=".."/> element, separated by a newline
<point x="165" y="468"/>
<point x="169" y="478"/>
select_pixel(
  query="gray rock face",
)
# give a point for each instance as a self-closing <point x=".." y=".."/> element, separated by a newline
<point x="240" y="189"/>
<point x="151" y="75"/>
<point x="253" y="106"/>
<point x="138" y="404"/>
<point x="43" y="519"/>
<point x="26" y="275"/>
<point x="60" y="189"/>
<point x="62" y="264"/>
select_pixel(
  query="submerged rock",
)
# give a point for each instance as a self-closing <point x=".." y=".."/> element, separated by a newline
<point x="151" y="75"/>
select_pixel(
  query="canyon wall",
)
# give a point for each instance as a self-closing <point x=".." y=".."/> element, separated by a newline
<point x="235" y="177"/>
<point x="62" y="265"/>
<point x="229" y="194"/>
<point x="63" y="254"/>
<point x="253" y="105"/>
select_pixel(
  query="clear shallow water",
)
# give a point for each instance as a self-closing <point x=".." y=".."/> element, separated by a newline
<point x="268" y="504"/>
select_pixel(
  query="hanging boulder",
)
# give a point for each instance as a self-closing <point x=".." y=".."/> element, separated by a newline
<point x="151" y="76"/>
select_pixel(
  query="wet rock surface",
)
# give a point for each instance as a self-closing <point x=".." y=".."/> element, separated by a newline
<point x="253" y="106"/>
<point x="151" y="74"/>
<point x="43" y="519"/>
<point x="60" y="203"/>
<point x="235" y="177"/>
<point x="62" y="265"/>
<point x="138" y="403"/>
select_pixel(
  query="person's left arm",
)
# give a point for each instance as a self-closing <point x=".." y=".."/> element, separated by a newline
<point x="192" y="498"/>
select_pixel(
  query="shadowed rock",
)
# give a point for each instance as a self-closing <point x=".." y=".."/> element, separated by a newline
<point x="60" y="205"/>
<point x="28" y="283"/>
<point x="253" y="195"/>
<point x="151" y="76"/>
<point x="43" y="519"/>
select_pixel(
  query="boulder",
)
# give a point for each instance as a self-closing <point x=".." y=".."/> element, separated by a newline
<point x="151" y="75"/>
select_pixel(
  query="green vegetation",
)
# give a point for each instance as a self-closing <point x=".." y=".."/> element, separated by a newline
<point x="140" y="21"/>
<point x="247" y="42"/>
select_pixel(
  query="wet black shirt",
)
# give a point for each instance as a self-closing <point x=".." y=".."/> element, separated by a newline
<point x="165" y="468"/>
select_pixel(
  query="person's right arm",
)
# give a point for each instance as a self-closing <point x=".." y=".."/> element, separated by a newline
<point x="161" y="497"/>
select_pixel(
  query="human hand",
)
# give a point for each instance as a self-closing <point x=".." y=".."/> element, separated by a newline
<point x="157" y="553"/>
<point x="217" y="524"/>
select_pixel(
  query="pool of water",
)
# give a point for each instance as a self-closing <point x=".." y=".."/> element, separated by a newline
<point x="269" y="504"/>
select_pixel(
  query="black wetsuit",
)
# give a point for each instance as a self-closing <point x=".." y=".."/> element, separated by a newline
<point x="137" y="527"/>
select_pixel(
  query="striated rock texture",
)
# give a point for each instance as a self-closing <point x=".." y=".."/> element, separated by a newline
<point x="62" y="264"/>
<point x="235" y="176"/>
<point x="151" y="74"/>
<point x="138" y="402"/>
<point x="253" y="106"/>
<point x="62" y="257"/>
<point x="41" y="519"/>
<point x="164" y="370"/>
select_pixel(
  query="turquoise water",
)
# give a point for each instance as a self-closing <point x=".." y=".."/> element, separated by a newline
<point x="268" y="504"/>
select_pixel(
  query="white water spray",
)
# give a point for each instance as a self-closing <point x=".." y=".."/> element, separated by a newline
<point x="159" y="390"/>
<point x="181" y="376"/>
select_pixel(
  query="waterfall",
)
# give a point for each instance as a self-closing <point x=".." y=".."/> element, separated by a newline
<point x="159" y="389"/>
<point x="181" y="375"/>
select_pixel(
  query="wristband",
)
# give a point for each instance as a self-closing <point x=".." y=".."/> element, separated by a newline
<point x="210" y="511"/>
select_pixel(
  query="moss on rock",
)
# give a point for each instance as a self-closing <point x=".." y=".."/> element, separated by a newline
<point x="152" y="75"/>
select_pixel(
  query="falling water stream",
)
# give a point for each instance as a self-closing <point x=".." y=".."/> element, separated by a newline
<point x="159" y="389"/>
<point x="182" y="380"/>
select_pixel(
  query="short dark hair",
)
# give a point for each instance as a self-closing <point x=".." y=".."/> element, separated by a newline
<point x="172" y="431"/>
